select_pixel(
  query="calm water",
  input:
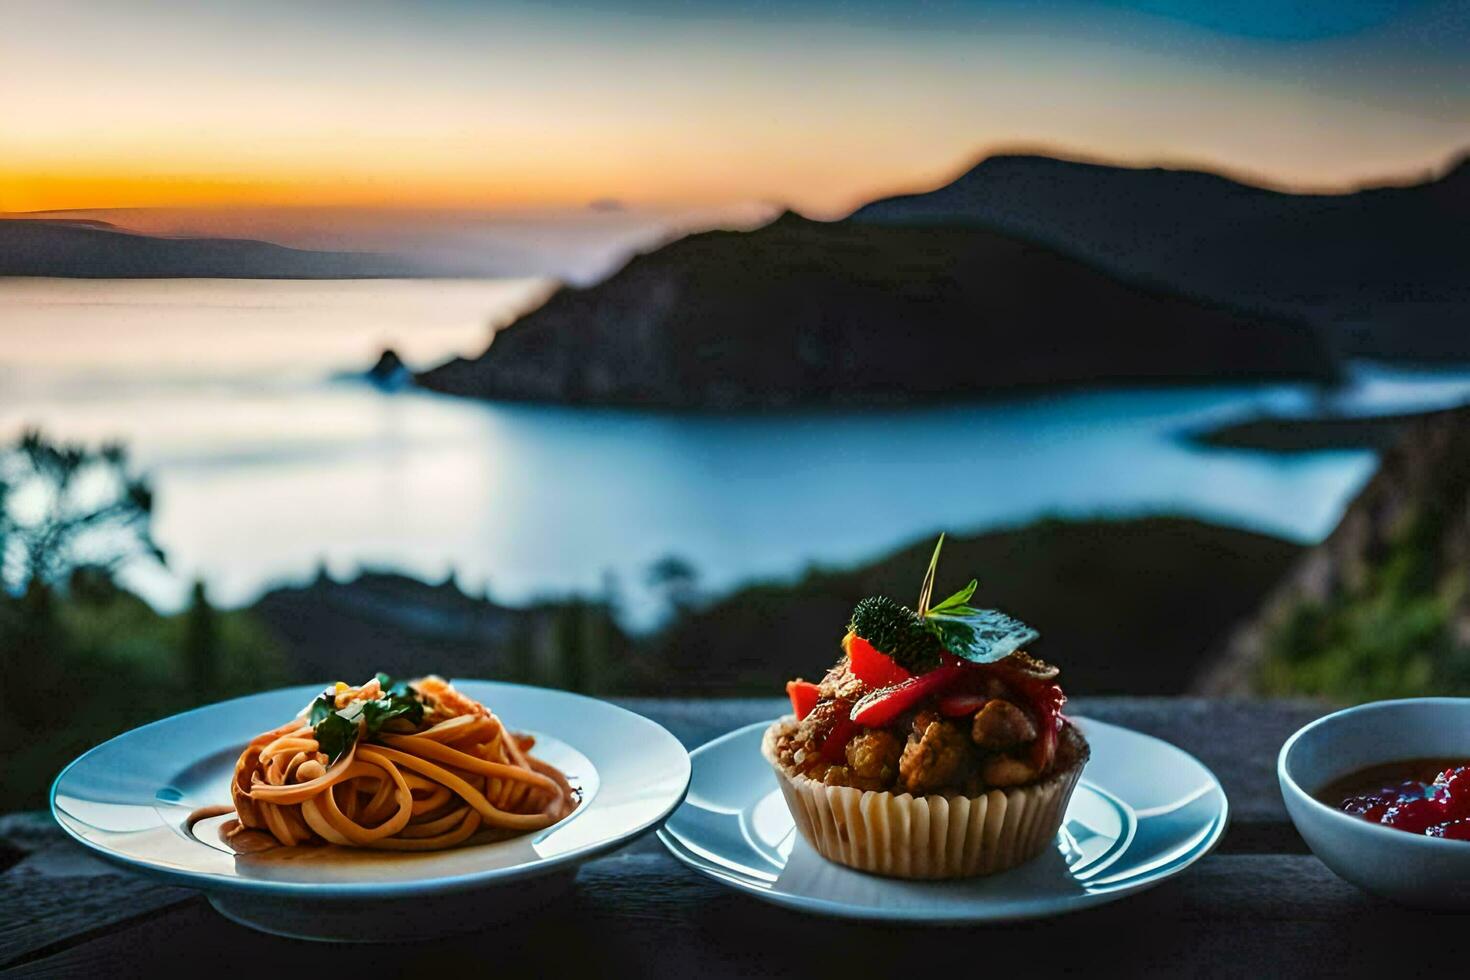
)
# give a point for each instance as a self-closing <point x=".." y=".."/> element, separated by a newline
<point x="266" y="466"/>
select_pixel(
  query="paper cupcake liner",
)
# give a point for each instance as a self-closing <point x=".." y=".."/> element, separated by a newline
<point x="903" y="836"/>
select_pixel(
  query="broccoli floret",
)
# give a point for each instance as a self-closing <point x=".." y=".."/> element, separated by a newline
<point x="898" y="632"/>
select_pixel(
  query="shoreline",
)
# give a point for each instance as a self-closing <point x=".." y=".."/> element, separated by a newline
<point x="1286" y="435"/>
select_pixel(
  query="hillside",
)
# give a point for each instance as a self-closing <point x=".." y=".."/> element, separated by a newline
<point x="402" y="625"/>
<point x="1124" y="607"/>
<point x="1383" y="266"/>
<point x="96" y="250"/>
<point x="1382" y="607"/>
<point x="799" y="312"/>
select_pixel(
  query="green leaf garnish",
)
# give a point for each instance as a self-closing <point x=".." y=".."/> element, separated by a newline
<point x="960" y="598"/>
<point x="394" y="688"/>
<point x="927" y="589"/>
<point x="337" y="730"/>
<point x="320" y="708"/>
<point x="915" y="640"/>
<point x="980" y="636"/>
<point x="335" y="734"/>
<point x="383" y="710"/>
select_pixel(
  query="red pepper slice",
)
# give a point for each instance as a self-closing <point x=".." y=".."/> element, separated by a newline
<point x="1052" y="711"/>
<point x="803" y="695"/>
<point x="872" y="666"/>
<point x="880" y="707"/>
<point x="834" y="747"/>
<point x="961" y="705"/>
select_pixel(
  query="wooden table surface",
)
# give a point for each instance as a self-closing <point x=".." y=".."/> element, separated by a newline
<point x="1259" y="906"/>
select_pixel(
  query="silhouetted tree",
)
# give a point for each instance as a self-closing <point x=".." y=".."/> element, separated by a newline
<point x="677" y="580"/>
<point x="68" y="515"/>
<point x="63" y="506"/>
<point x="201" y="640"/>
<point x="92" y="585"/>
<point x="571" y="645"/>
<point x="586" y="646"/>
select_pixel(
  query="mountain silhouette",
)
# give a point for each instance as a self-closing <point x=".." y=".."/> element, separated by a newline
<point x="801" y="312"/>
<point x="97" y="250"/>
<point x="1383" y="269"/>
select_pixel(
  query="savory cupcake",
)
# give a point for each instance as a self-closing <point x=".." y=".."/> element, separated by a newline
<point x="934" y="748"/>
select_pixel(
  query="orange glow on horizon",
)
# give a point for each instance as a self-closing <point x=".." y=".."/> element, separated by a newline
<point x="22" y="192"/>
<point x="488" y="108"/>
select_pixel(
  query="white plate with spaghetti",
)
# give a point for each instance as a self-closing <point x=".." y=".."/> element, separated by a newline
<point x="564" y="779"/>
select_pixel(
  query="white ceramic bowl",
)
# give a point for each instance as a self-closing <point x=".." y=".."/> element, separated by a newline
<point x="1408" y="868"/>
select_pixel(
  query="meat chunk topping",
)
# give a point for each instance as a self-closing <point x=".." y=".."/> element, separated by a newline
<point x="938" y="754"/>
<point x="873" y="755"/>
<point x="1001" y="725"/>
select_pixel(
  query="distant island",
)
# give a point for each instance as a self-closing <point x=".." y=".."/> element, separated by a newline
<point x="1383" y="268"/>
<point x="1313" y="433"/>
<point x="808" y="313"/>
<point x="1024" y="271"/>
<point x="89" y="249"/>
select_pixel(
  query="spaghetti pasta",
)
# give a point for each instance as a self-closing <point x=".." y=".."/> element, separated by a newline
<point x="425" y="768"/>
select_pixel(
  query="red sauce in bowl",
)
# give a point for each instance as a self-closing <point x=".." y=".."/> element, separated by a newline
<point x="1420" y="796"/>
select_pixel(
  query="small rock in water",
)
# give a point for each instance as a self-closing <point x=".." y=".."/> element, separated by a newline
<point x="390" y="372"/>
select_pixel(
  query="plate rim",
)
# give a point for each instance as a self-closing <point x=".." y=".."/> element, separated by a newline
<point x="442" y="884"/>
<point x="946" y="915"/>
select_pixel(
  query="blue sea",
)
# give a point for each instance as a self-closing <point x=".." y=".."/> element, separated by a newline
<point x="269" y="463"/>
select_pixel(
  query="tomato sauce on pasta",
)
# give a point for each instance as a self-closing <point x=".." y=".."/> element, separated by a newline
<point x="425" y="779"/>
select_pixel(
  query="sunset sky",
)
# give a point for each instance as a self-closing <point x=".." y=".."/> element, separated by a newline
<point x="818" y="104"/>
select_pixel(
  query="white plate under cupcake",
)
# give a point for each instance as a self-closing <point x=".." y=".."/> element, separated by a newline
<point x="1144" y="812"/>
